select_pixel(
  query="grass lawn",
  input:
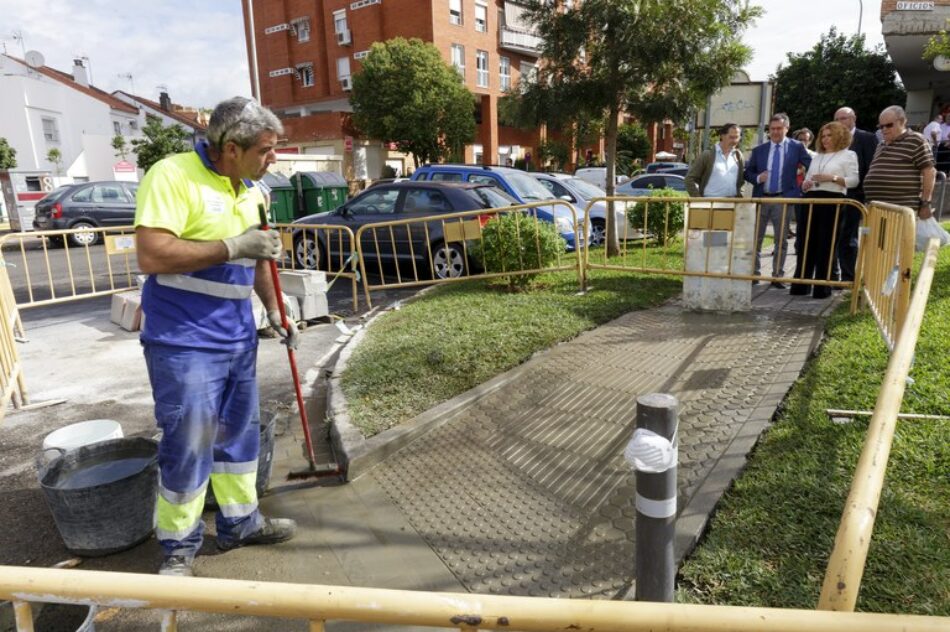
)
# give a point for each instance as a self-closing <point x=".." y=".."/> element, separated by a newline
<point x="773" y="532"/>
<point x="460" y="335"/>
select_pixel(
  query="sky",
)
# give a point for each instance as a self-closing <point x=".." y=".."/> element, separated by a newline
<point x="197" y="50"/>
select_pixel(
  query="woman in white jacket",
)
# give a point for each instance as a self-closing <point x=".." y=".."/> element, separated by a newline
<point x="832" y="172"/>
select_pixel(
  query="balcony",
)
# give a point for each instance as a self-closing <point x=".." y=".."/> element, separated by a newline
<point x="519" y="41"/>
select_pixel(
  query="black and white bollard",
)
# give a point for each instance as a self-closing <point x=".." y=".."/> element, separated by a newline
<point x="652" y="452"/>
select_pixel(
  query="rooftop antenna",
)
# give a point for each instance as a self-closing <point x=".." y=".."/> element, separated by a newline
<point x="18" y="37"/>
<point x="128" y="77"/>
<point x="34" y="59"/>
<point x="161" y="88"/>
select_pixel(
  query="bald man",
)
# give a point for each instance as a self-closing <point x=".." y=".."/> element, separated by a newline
<point x="864" y="145"/>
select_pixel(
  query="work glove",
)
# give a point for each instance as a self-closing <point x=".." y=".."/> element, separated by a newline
<point x="254" y="243"/>
<point x="291" y="338"/>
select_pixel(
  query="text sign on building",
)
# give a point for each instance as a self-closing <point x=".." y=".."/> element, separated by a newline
<point x="915" y="6"/>
<point x="276" y="29"/>
<point x="280" y="72"/>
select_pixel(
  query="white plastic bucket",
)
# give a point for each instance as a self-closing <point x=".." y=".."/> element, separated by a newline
<point x="83" y="433"/>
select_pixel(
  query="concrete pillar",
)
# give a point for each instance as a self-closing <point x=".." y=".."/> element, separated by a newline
<point x="720" y="251"/>
<point x="489" y="129"/>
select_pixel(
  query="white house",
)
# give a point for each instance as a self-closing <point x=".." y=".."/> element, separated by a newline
<point x="42" y="109"/>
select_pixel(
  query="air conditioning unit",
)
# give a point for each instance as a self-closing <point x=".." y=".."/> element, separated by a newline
<point x="343" y="37"/>
<point x="346" y="83"/>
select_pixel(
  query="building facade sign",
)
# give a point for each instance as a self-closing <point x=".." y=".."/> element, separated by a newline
<point x="915" y="6"/>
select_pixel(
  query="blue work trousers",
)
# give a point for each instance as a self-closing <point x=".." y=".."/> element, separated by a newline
<point x="206" y="404"/>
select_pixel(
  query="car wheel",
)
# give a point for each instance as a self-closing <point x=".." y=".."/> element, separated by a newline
<point x="90" y="238"/>
<point x="309" y="253"/>
<point x="598" y="232"/>
<point x="448" y="261"/>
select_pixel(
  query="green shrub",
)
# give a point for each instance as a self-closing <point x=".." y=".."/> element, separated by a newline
<point x="664" y="225"/>
<point x="514" y="242"/>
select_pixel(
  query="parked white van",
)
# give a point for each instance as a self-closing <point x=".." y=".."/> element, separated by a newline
<point x="598" y="176"/>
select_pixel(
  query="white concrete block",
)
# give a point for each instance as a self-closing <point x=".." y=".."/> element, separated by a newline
<point x="709" y="251"/>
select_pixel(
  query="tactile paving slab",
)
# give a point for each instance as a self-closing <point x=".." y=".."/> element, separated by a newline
<point x="526" y="491"/>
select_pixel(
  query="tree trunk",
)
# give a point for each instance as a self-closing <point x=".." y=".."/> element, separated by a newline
<point x="612" y="243"/>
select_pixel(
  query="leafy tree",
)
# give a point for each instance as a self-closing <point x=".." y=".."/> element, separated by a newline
<point x="557" y="153"/>
<point x="7" y="155"/>
<point x="120" y="146"/>
<point x="159" y="142"/>
<point x="650" y="59"/>
<point x="632" y="144"/>
<point x="55" y="156"/>
<point x="838" y="71"/>
<point x="406" y="94"/>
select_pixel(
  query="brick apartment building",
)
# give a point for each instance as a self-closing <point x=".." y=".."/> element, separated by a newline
<point x="303" y="54"/>
<point x="907" y="27"/>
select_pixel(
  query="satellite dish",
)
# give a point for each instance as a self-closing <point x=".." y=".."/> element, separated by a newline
<point x="34" y="59"/>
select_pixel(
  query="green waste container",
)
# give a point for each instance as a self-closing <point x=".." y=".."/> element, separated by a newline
<point x="317" y="191"/>
<point x="281" y="198"/>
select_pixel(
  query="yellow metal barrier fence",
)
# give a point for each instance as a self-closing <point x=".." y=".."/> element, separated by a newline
<point x="887" y="256"/>
<point x="846" y="566"/>
<point x="445" y="248"/>
<point x="318" y="604"/>
<point x="322" y="247"/>
<point x="45" y="267"/>
<point x="656" y="226"/>
<point x="12" y="384"/>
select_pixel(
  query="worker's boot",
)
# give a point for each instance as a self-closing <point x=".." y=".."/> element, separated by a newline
<point x="274" y="530"/>
<point x="177" y="566"/>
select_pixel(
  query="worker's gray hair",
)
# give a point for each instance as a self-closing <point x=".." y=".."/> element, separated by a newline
<point x="897" y="111"/>
<point x="241" y="121"/>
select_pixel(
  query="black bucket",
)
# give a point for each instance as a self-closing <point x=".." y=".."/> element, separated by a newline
<point x="265" y="461"/>
<point x="102" y="496"/>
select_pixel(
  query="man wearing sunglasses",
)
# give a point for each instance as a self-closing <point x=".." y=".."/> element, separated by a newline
<point x="902" y="171"/>
<point x="198" y="238"/>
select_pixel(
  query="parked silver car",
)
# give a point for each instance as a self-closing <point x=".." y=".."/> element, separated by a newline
<point x="580" y="192"/>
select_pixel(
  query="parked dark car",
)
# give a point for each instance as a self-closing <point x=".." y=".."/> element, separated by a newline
<point x="87" y="205"/>
<point x="398" y="201"/>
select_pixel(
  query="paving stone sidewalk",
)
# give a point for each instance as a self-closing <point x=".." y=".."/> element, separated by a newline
<point x="526" y="491"/>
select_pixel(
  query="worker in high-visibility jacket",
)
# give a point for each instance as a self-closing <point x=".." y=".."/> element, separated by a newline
<point x="198" y="239"/>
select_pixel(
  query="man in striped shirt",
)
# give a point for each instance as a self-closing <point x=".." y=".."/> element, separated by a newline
<point x="902" y="171"/>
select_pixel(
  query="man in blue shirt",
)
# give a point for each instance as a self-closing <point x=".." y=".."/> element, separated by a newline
<point x="772" y="169"/>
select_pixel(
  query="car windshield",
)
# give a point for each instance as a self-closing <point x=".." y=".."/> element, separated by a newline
<point x="493" y="197"/>
<point x="586" y="189"/>
<point x="529" y="189"/>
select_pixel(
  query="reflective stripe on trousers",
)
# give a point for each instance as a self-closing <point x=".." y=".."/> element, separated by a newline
<point x="206" y="404"/>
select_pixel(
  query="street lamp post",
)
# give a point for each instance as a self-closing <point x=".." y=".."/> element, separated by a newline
<point x="860" y="14"/>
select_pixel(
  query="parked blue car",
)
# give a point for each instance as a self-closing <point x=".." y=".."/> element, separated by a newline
<point x="516" y="183"/>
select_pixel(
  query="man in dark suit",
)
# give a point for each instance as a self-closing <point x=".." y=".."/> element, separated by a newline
<point x="864" y="144"/>
<point x="772" y="169"/>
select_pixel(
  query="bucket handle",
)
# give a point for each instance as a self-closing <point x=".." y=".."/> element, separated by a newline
<point x="42" y="464"/>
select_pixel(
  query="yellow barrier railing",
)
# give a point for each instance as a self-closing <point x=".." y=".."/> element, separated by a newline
<point x="12" y="384"/>
<point x="317" y="604"/>
<point x="46" y="267"/>
<point x="322" y="247"/>
<point x="443" y="248"/>
<point x="665" y="221"/>
<point x="846" y="566"/>
<point x="887" y="255"/>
